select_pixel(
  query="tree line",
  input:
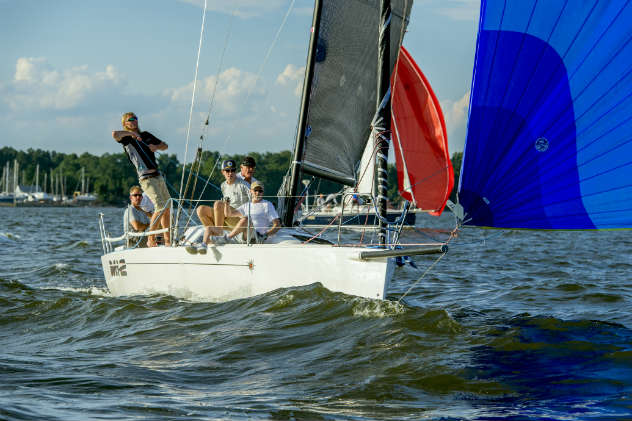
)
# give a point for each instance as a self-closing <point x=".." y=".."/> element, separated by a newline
<point x="111" y="175"/>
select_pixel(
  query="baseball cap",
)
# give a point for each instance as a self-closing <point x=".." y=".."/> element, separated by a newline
<point x="229" y="163"/>
<point x="256" y="184"/>
<point x="249" y="162"/>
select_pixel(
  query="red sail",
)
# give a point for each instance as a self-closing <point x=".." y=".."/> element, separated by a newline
<point x="424" y="169"/>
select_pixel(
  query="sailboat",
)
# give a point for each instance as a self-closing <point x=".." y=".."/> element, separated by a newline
<point x="83" y="196"/>
<point x="353" y="50"/>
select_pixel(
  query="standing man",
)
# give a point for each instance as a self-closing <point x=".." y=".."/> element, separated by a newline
<point x="140" y="148"/>
<point x="248" y="167"/>
<point x="235" y="193"/>
<point x="136" y="218"/>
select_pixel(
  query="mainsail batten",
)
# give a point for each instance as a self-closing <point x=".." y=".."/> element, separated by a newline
<point x="548" y="142"/>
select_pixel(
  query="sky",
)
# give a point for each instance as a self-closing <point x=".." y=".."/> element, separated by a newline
<point x="70" y="68"/>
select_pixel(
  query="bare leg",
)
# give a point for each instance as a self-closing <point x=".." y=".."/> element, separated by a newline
<point x="205" y="214"/>
<point x="240" y="228"/>
<point x="219" y="210"/>
<point x="151" y="239"/>
<point x="165" y="221"/>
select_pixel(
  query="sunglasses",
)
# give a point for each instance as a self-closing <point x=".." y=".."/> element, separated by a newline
<point x="136" y="195"/>
<point x="258" y="190"/>
<point x="132" y="119"/>
<point x="229" y="170"/>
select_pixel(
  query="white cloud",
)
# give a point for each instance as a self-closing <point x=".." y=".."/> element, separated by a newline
<point x="455" y="113"/>
<point x="235" y="90"/>
<point x="37" y="85"/>
<point x="293" y="76"/>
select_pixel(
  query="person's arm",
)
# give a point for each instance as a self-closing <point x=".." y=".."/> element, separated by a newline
<point x="138" y="226"/>
<point x="120" y="134"/>
<point x="162" y="146"/>
<point x="156" y="144"/>
<point x="276" y="225"/>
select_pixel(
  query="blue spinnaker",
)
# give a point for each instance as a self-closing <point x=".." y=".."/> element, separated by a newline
<point x="549" y="142"/>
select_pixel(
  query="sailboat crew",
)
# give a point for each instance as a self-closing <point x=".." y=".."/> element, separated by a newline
<point x="262" y="214"/>
<point x="236" y="193"/>
<point x="140" y="147"/>
<point x="248" y="166"/>
<point x="136" y="219"/>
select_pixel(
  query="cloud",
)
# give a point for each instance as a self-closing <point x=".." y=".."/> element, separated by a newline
<point x="233" y="91"/>
<point x="455" y="113"/>
<point x="37" y="85"/>
<point x="292" y="76"/>
<point x="245" y="9"/>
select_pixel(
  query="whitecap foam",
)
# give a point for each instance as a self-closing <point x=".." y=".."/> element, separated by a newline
<point x="100" y="292"/>
<point x="363" y="307"/>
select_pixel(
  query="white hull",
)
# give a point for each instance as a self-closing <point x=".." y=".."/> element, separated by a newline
<point x="236" y="271"/>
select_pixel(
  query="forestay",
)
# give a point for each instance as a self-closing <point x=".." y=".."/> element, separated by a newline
<point x="549" y="136"/>
<point x="342" y="100"/>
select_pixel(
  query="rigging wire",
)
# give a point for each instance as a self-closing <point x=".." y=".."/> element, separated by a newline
<point x="249" y="93"/>
<point x="186" y="147"/>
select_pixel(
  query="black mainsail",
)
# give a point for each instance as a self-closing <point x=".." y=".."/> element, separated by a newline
<point x="340" y="89"/>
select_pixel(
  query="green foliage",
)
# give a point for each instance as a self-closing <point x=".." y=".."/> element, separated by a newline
<point x="111" y="175"/>
<point x="457" y="159"/>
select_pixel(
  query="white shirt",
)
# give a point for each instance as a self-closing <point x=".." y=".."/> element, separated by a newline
<point x="262" y="214"/>
<point x="241" y="177"/>
<point x="238" y="193"/>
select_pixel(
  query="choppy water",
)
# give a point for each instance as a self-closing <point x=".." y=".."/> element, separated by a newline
<point x="511" y="325"/>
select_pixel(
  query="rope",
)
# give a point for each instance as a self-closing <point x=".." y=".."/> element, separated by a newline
<point x="421" y="277"/>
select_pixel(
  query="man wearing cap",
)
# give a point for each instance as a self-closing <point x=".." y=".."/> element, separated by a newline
<point x="235" y="194"/>
<point x="248" y="167"/>
<point x="264" y="217"/>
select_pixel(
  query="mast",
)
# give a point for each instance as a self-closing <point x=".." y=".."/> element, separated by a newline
<point x="383" y="120"/>
<point x="302" y="121"/>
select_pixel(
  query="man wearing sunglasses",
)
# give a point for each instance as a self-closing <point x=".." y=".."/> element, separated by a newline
<point x="136" y="219"/>
<point x="140" y="147"/>
<point x="263" y="216"/>
<point x="224" y="214"/>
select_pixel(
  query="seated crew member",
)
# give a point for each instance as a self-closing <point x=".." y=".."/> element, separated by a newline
<point x="320" y="201"/>
<point x="248" y="167"/>
<point x="264" y="217"/>
<point x="330" y="200"/>
<point x="136" y="219"/>
<point x="235" y="193"/>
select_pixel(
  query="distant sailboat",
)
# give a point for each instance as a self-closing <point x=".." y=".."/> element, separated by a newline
<point x="83" y="196"/>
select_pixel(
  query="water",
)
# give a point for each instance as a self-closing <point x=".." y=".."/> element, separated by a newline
<point x="510" y="325"/>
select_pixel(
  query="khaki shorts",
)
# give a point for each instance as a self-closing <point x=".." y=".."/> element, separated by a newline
<point x="156" y="190"/>
<point x="232" y="221"/>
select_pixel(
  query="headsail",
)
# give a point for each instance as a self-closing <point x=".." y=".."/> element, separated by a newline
<point x="424" y="169"/>
<point x="344" y="85"/>
<point x="549" y="141"/>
